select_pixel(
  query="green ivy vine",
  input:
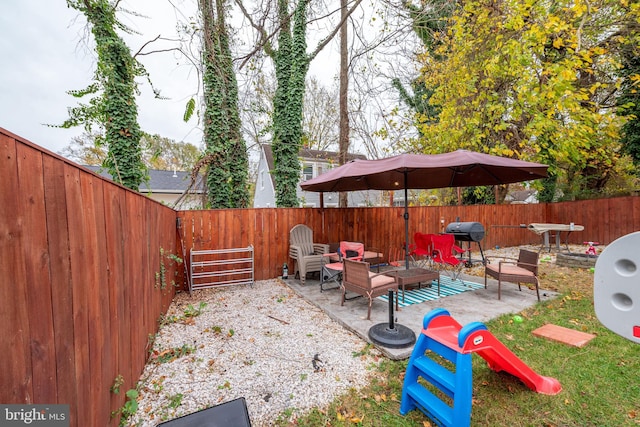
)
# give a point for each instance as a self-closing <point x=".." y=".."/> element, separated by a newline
<point x="113" y="106"/>
<point x="291" y="63"/>
<point x="225" y="152"/>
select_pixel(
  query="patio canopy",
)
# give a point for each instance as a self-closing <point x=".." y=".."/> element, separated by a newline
<point x="460" y="168"/>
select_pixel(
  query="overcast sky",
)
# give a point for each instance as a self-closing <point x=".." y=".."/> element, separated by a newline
<point x="44" y="54"/>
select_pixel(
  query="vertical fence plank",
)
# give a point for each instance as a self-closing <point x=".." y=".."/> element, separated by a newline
<point x="16" y="371"/>
<point x="61" y="290"/>
<point x="120" y="348"/>
<point x="80" y="278"/>
<point x="38" y="279"/>
<point x="99" y="325"/>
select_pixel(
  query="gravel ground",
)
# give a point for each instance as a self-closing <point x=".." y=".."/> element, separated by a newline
<point x="254" y="342"/>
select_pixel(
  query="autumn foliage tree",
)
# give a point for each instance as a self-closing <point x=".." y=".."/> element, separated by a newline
<point x="532" y="80"/>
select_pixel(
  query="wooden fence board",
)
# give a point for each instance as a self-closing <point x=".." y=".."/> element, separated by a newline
<point x="80" y="277"/>
<point x="37" y="280"/>
<point x="93" y="218"/>
<point x="134" y="273"/>
<point x="102" y="327"/>
<point x="14" y="316"/>
<point x="60" y="272"/>
<point x="113" y="197"/>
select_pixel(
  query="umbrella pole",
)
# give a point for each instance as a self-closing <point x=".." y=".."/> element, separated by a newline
<point x="406" y="223"/>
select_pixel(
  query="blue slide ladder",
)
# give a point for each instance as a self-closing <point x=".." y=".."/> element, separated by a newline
<point x="439" y="379"/>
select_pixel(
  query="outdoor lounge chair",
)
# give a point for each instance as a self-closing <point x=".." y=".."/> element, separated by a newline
<point x="395" y="256"/>
<point x="444" y="254"/>
<point x="332" y="268"/>
<point x="522" y="270"/>
<point x="306" y="254"/>
<point x="358" y="278"/>
<point x="422" y="249"/>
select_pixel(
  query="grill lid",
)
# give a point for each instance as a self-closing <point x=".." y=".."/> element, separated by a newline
<point x="466" y="231"/>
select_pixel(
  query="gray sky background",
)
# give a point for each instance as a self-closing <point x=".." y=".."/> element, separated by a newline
<point x="44" y="53"/>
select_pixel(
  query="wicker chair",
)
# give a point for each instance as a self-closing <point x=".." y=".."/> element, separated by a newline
<point x="306" y="255"/>
<point x="522" y="270"/>
<point x="358" y="278"/>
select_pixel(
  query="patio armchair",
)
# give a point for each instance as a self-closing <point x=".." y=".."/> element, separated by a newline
<point x="358" y="278"/>
<point x="305" y="253"/>
<point x="522" y="270"/>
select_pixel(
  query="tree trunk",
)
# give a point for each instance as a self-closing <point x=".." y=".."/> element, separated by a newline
<point x="343" y="141"/>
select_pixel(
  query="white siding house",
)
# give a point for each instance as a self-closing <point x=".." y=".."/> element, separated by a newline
<point x="312" y="163"/>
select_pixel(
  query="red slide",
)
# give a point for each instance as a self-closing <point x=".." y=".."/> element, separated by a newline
<point x="475" y="338"/>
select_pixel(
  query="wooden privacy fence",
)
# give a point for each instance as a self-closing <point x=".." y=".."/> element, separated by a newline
<point x="81" y="282"/>
<point x="87" y="272"/>
<point x="267" y="229"/>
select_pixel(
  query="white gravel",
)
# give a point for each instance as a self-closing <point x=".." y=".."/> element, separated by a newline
<point x="254" y="342"/>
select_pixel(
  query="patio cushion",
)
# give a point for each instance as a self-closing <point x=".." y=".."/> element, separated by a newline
<point x="511" y="269"/>
<point x="379" y="281"/>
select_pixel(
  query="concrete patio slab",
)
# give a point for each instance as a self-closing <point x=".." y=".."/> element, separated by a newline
<point x="471" y="306"/>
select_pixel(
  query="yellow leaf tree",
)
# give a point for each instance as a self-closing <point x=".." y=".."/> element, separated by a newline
<point x="532" y="80"/>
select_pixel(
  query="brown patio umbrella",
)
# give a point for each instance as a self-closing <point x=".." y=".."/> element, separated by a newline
<point x="460" y="168"/>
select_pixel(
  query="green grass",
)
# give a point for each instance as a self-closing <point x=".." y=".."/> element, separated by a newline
<point x="600" y="382"/>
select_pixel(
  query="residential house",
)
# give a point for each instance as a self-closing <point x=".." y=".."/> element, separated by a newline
<point x="166" y="187"/>
<point x="313" y="163"/>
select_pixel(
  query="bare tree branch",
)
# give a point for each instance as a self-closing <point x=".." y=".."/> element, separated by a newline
<point x="334" y="32"/>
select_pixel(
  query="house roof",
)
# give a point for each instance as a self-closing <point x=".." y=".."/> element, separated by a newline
<point x="160" y="181"/>
<point x="519" y="195"/>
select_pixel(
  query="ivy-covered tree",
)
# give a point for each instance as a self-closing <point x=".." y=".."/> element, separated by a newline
<point x="113" y="107"/>
<point x="291" y="62"/>
<point x="225" y="150"/>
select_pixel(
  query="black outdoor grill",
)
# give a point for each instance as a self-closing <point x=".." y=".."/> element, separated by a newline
<point x="468" y="232"/>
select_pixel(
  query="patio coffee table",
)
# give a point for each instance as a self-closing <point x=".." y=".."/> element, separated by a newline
<point x="415" y="276"/>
